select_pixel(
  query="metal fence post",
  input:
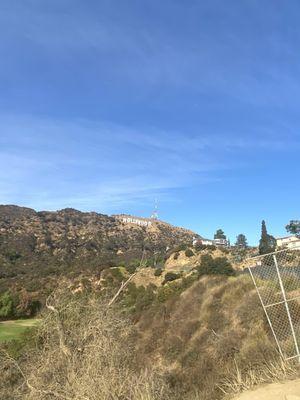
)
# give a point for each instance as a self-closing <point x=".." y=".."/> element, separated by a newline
<point x="266" y="313"/>
<point x="286" y="306"/>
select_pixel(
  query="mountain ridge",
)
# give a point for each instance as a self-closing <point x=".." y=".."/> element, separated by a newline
<point x="72" y="239"/>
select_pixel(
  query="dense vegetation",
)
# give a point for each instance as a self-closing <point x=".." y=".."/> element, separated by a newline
<point x="18" y="305"/>
<point x="293" y="227"/>
<point x="195" y="334"/>
<point x="39" y="249"/>
<point x="215" y="266"/>
<point x="45" y="242"/>
<point x="194" y="338"/>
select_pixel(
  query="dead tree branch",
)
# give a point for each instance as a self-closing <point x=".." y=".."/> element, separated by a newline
<point x="121" y="288"/>
<point x="61" y="333"/>
<point x="124" y="284"/>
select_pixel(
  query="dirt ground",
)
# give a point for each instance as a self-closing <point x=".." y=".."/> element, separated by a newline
<point x="276" y="391"/>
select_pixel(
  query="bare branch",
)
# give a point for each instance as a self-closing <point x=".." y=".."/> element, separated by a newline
<point x="62" y="341"/>
<point x="122" y="287"/>
<point x="124" y="284"/>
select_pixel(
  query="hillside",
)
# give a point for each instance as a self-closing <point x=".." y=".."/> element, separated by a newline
<point x="46" y="242"/>
<point x="177" y="333"/>
<point x="197" y="338"/>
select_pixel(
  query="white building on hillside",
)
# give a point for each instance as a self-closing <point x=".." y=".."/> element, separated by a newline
<point x="203" y="242"/>
<point x="290" y="242"/>
<point x="209" y="242"/>
<point x="221" y="242"/>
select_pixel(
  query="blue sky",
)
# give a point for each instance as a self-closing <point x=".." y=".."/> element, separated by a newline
<point x="107" y="105"/>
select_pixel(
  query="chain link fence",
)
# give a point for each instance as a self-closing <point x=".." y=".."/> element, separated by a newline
<point x="276" y="277"/>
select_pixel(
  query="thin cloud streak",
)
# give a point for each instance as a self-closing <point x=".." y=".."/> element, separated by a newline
<point x="117" y="165"/>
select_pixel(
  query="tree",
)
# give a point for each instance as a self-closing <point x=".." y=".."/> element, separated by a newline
<point x="6" y="305"/>
<point x="241" y="241"/>
<point x="189" y="253"/>
<point x="170" y="276"/>
<point x="267" y="243"/>
<point x="219" y="234"/>
<point x="294" y="227"/>
<point x="215" y="266"/>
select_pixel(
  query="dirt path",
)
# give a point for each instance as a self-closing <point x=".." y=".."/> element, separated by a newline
<point x="276" y="391"/>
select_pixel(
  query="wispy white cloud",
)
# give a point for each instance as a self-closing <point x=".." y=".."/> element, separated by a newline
<point x="46" y="163"/>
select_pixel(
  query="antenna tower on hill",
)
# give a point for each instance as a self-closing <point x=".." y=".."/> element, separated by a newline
<point x="154" y="214"/>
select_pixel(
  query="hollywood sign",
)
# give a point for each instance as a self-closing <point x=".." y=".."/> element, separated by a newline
<point x="136" y="221"/>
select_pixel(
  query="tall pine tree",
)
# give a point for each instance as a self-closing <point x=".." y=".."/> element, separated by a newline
<point x="267" y="243"/>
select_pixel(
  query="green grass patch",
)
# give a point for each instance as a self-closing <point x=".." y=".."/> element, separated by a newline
<point x="13" y="330"/>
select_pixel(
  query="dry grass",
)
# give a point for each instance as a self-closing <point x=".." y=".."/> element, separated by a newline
<point x="96" y="360"/>
<point x="273" y="371"/>
<point x="215" y="327"/>
<point x="207" y="342"/>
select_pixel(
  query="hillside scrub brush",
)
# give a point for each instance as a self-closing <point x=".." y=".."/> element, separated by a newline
<point x="189" y="253"/>
<point x="215" y="266"/>
<point x="83" y="350"/>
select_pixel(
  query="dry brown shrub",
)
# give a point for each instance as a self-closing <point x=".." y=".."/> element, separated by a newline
<point x="215" y="327"/>
<point x="85" y="351"/>
<point x="210" y="340"/>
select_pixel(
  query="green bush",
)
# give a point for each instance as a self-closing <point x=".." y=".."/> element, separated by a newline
<point x="13" y="256"/>
<point x="137" y="298"/>
<point x="148" y="262"/>
<point x="215" y="266"/>
<point x="145" y="299"/>
<point x="135" y="262"/>
<point x="116" y="274"/>
<point x="131" y="268"/>
<point x="164" y="293"/>
<point x="180" y="247"/>
<point x="170" y="276"/>
<point x="176" y="255"/>
<point x="175" y="288"/>
<point x="6" y="305"/>
<point x="189" y="253"/>
<point x="200" y="247"/>
<point x="158" y="272"/>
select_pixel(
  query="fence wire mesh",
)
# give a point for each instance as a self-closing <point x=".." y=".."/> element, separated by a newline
<point x="276" y="277"/>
